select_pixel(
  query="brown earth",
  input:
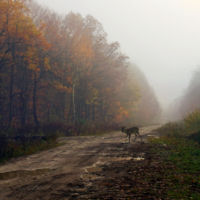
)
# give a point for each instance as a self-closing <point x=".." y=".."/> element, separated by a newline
<point x="83" y="168"/>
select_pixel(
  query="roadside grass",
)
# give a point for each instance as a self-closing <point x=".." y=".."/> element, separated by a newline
<point x="15" y="151"/>
<point x="12" y="147"/>
<point x="31" y="139"/>
<point x="181" y="144"/>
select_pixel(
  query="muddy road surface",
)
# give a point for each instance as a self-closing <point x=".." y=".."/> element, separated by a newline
<point x="52" y="173"/>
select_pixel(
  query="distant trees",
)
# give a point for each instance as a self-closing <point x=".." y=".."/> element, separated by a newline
<point x="148" y="109"/>
<point x="190" y="100"/>
<point x="61" y="68"/>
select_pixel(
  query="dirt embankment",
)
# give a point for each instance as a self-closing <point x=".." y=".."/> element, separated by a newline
<point x="73" y="170"/>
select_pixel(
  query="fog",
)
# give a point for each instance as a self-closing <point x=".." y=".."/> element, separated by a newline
<point x="162" y="37"/>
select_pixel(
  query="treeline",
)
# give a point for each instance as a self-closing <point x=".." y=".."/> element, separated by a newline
<point x="148" y="108"/>
<point x="191" y="97"/>
<point x="189" y="101"/>
<point x="61" y="68"/>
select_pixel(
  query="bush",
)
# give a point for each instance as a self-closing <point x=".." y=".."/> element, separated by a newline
<point x="192" y="120"/>
<point x="29" y="139"/>
<point x="173" y="129"/>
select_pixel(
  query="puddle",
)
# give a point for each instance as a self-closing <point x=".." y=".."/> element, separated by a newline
<point x="22" y="173"/>
<point x="155" y="136"/>
<point x="137" y="159"/>
<point x="93" y="169"/>
<point x="112" y="159"/>
<point x="96" y="167"/>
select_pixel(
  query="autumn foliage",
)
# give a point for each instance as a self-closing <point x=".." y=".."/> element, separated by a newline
<point x="60" y="68"/>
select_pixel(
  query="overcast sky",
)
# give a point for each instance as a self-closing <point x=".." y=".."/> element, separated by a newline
<point x="162" y="37"/>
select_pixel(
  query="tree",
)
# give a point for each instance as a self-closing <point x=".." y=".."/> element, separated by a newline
<point x="60" y="68"/>
<point x="148" y="108"/>
<point x="190" y="100"/>
<point x="20" y="43"/>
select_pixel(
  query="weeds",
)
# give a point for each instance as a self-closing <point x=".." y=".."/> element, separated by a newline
<point x="184" y="153"/>
<point x="30" y="139"/>
<point x="14" y="146"/>
<point x="192" y="120"/>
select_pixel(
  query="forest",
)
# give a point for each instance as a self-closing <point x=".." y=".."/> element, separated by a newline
<point x="188" y="101"/>
<point x="61" y="68"/>
<point x="61" y="76"/>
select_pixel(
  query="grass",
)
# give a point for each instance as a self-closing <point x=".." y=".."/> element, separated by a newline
<point x="184" y="152"/>
<point x="11" y="148"/>
<point x="25" y="145"/>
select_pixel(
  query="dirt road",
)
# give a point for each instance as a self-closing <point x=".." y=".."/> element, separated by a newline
<point x="50" y="174"/>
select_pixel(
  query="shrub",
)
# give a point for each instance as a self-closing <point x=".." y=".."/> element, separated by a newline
<point x="192" y="120"/>
<point x="173" y="129"/>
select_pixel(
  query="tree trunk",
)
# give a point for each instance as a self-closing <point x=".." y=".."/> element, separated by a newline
<point x="1" y="105"/>
<point x="69" y="113"/>
<point x="86" y="114"/>
<point x="73" y="103"/>
<point x="35" y="100"/>
<point x="11" y="95"/>
<point x="93" y="112"/>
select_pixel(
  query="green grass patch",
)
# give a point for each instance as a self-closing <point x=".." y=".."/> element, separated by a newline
<point x="184" y="152"/>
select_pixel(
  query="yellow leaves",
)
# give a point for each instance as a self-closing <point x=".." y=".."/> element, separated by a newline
<point x="126" y="113"/>
<point x="46" y="63"/>
<point x="42" y="27"/>
<point x="92" y="97"/>
<point x="61" y="88"/>
<point x="82" y="51"/>
<point x="120" y="113"/>
<point x="25" y="37"/>
<point x="192" y="119"/>
<point x="13" y="16"/>
<point x="32" y="66"/>
<point x="16" y="27"/>
<point x="46" y="46"/>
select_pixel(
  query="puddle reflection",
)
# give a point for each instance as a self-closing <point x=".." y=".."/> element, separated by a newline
<point x="22" y="173"/>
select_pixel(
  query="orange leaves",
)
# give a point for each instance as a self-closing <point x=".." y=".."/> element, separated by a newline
<point x="122" y="114"/>
<point x="12" y="17"/>
<point x="18" y="33"/>
<point x="32" y="66"/>
<point x="51" y="55"/>
<point x="82" y="52"/>
<point x="46" y="63"/>
<point x="92" y="97"/>
<point x="69" y="79"/>
<point x="61" y="88"/>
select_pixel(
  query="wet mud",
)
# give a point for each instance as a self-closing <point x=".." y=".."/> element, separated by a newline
<point x="22" y="173"/>
<point x="68" y="171"/>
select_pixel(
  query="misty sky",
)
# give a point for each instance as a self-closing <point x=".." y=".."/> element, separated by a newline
<point x="162" y="37"/>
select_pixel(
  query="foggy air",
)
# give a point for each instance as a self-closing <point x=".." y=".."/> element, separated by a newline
<point x="99" y="99"/>
<point x="160" y="37"/>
